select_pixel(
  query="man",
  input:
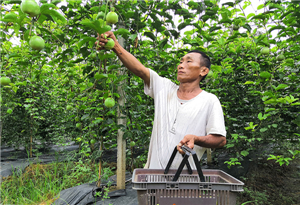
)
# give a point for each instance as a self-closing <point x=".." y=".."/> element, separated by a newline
<point x="184" y="114"/>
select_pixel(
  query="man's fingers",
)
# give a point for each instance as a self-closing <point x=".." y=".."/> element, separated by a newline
<point x="179" y="148"/>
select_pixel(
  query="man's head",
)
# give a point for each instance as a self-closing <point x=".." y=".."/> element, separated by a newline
<point x="193" y="66"/>
<point x="204" y="60"/>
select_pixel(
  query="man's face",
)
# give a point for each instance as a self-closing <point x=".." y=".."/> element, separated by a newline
<point x="189" y="69"/>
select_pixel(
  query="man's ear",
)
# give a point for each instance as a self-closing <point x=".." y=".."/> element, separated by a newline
<point x="203" y="71"/>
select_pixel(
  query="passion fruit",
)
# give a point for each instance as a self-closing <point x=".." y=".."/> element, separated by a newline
<point x="110" y="44"/>
<point x="112" y="17"/>
<point x="37" y="43"/>
<point x="109" y="102"/>
<point x="265" y="51"/>
<point x="30" y="7"/>
<point x="4" y="81"/>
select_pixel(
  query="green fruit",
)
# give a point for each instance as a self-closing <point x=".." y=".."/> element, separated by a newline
<point x="76" y="119"/>
<point x="100" y="15"/>
<point x="107" y="27"/>
<point x="78" y="125"/>
<point x="210" y="74"/>
<point x="10" y="17"/>
<point x="109" y="102"/>
<point x="30" y="7"/>
<point x="9" y="111"/>
<point x="132" y="144"/>
<point x="112" y="17"/>
<point x="37" y="43"/>
<point x="93" y="141"/>
<point x="280" y="57"/>
<point x="110" y="44"/>
<point x="4" y="81"/>
<point x="69" y="107"/>
<point x="265" y="51"/>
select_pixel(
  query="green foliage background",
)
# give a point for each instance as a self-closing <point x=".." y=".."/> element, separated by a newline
<point x="259" y="93"/>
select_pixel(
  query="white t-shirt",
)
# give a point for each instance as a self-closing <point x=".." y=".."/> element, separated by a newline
<point x="200" y="116"/>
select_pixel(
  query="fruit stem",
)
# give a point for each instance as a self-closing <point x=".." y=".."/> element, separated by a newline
<point x="32" y="23"/>
<point x="106" y="10"/>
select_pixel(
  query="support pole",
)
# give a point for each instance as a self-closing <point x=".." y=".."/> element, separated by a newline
<point x="209" y="159"/>
<point x="121" y="160"/>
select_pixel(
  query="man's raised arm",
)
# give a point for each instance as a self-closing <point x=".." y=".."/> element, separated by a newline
<point x="128" y="60"/>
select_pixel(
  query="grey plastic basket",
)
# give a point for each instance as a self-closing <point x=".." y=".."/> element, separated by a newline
<point x="154" y="187"/>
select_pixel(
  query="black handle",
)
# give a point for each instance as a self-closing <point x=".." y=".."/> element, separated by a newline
<point x="171" y="161"/>
<point x="188" y="151"/>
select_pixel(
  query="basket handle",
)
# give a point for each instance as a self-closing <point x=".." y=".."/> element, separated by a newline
<point x="188" y="151"/>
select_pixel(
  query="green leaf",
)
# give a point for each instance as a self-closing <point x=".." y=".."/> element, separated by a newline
<point x="139" y="97"/>
<point x="285" y="14"/>
<point x="111" y="67"/>
<point x="228" y="4"/>
<point x="123" y="32"/>
<point x="265" y="74"/>
<point x="260" y="6"/>
<point x="57" y="17"/>
<point x="271" y="101"/>
<point x="250" y="15"/>
<point x="43" y="18"/>
<point x="225" y="21"/>
<point x="14" y="55"/>
<point x="216" y="68"/>
<point x="259" y="16"/>
<point x="281" y="86"/>
<point x="150" y="35"/>
<point x="192" y="4"/>
<point x="182" y="26"/>
<point x="275" y="27"/>
<point x="46" y="7"/>
<point x="263" y="129"/>
<point x="112" y="76"/>
<point x="259" y="116"/>
<point x="96" y="25"/>
<point x="163" y="43"/>
<point x="101" y="76"/>
<point x="84" y="40"/>
<point x="247" y="26"/>
<point x="244" y="153"/>
<point x="14" y="2"/>
<point x="211" y="29"/>
<point x="276" y="6"/>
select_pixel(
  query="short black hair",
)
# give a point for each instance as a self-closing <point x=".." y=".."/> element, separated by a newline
<point x="204" y="60"/>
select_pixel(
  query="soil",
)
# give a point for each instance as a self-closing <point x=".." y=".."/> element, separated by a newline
<point x="268" y="183"/>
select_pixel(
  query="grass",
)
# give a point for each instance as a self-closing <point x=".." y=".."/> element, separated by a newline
<point x="41" y="183"/>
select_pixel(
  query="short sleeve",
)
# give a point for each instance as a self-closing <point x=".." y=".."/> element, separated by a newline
<point x="157" y="83"/>
<point x="215" y="123"/>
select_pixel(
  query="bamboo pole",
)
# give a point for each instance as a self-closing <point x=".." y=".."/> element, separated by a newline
<point x="121" y="155"/>
<point x="209" y="159"/>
